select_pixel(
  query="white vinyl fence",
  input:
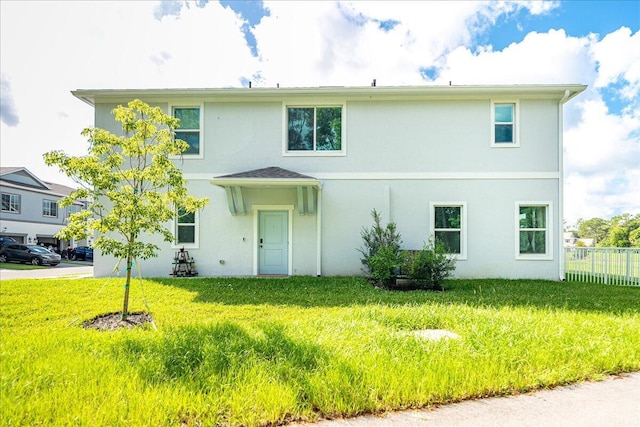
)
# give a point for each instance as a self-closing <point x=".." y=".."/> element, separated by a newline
<point x="609" y="266"/>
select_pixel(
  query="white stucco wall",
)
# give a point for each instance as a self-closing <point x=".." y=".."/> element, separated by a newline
<point x="401" y="155"/>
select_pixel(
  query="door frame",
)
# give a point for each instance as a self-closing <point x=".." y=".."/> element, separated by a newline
<point x="256" y="232"/>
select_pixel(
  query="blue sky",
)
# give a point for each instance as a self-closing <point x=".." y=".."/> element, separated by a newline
<point x="50" y="48"/>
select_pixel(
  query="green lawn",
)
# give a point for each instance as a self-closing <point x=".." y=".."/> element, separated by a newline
<point x="16" y="266"/>
<point x="265" y="351"/>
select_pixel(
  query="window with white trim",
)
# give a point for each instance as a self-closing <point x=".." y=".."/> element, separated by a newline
<point x="71" y="209"/>
<point x="186" y="228"/>
<point x="504" y="129"/>
<point x="189" y="129"/>
<point x="314" y="129"/>
<point x="10" y="203"/>
<point x="449" y="226"/>
<point x="533" y="228"/>
<point x="49" y="208"/>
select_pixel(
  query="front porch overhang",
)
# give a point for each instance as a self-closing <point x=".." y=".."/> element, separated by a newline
<point x="272" y="177"/>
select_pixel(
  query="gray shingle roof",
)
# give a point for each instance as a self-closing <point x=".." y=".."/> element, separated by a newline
<point x="268" y="173"/>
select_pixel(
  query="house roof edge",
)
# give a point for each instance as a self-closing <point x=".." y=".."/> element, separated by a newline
<point x="91" y="96"/>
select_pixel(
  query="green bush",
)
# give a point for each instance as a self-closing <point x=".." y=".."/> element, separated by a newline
<point x="429" y="266"/>
<point x="384" y="260"/>
<point x="381" y="252"/>
<point x="385" y="265"/>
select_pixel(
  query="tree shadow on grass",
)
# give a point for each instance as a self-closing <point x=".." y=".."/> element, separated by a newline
<point x="308" y="292"/>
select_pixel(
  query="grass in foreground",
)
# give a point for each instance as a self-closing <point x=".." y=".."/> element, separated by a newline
<point x="264" y="351"/>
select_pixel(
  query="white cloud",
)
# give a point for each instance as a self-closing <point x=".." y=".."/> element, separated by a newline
<point x="602" y="159"/>
<point x="551" y="57"/>
<point x="618" y="57"/>
<point x="50" y="48"/>
<point x="602" y="142"/>
<point x="8" y="113"/>
<point x="326" y="43"/>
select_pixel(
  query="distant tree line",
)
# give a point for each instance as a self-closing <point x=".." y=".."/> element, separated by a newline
<point x="622" y="231"/>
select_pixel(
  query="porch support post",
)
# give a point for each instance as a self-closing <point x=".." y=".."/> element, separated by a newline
<point x="240" y="200"/>
<point x="232" y="208"/>
<point x="311" y="208"/>
<point x="300" y="200"/>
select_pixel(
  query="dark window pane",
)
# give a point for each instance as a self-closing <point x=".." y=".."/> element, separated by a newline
<point x="533" y="217"/>
<point x="329" y="128"/>
<point x="447" y="216"/>
<point x="189" y="117"/>
<point x="533" y="242"/>
<point x="450" y="240"/>
<point x="186" y="217"/>
<point x="504" y="133"/>
<point x="191" y="138"/>
<point x="300" y="126"/>
<point x="186" y="234"/>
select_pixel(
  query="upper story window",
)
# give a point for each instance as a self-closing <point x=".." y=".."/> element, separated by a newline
<point x="190" y="129"/>
<point x="314" y="130"/>
<point x="504" y="131"/>
<point x="49" y="208"/>
<point x="449" y="227"/>
<point x="533" y="227"/>
<point x="73" y="209"/>
<point x="10" y="203"/>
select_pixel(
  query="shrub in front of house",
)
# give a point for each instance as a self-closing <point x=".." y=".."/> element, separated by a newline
<point x="381" y="253"/>
<point x="429" y="267"/>
<point x="385" y="262"/>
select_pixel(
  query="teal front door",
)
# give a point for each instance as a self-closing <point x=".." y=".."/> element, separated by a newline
<point x="273" y="241"/>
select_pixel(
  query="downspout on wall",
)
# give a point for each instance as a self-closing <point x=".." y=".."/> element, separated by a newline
<point x="319" y="233"/>
<point x="561" y="103"/>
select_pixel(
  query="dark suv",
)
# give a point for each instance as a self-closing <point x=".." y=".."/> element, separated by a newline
<point x="36" y="255"/>
<point x="82" y="253"/>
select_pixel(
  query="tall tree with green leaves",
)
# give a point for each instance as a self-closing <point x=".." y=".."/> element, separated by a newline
<point x="132" y="185"/>
<point x="594" y="228"/>
<point x="623" y="231"/>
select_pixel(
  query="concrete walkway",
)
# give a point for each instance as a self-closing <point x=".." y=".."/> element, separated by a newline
<point x="614" y="402"/>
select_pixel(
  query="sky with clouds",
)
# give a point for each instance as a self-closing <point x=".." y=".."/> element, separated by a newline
<point x="50" y="48"/>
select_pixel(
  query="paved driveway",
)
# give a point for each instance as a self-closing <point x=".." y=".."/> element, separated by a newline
<point x="75" y="270"/>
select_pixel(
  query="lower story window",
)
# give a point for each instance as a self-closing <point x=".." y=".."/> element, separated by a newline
<point x="185" y="227"/>
<point x="448" y="227"/>
<point x="533" y="229"/>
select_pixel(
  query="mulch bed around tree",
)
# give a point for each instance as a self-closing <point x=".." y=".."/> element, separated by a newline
<point x="113" y="321"/>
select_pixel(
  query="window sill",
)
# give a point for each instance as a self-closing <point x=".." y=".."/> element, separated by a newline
<point x="505" y="145"/>
<point x="188" y="157"/>
<point x="541" y="257"/>
<point x="314" y="154"/>
<point x="185" y="246"/>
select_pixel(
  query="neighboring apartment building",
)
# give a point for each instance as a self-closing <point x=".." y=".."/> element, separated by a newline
<point x="294" y="173"/>
<point x="30" y="213"/>
<point x="571" y="241"/>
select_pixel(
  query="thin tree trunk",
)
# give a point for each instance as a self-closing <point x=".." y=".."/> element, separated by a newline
<point x="125" y="306"/>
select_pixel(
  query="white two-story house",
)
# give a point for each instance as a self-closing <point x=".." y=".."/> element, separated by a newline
<point x="293" y="174"/>
<point x="30" y="212"/>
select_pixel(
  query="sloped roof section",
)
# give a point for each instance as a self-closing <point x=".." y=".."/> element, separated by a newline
<point x="272" y="172"/>
<point x="21" y="176"/>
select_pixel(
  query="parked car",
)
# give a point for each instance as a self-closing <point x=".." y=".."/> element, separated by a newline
<point x="33" y="254"/>
<point x="7" y="241"/>
<point x="82" y="253"/>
